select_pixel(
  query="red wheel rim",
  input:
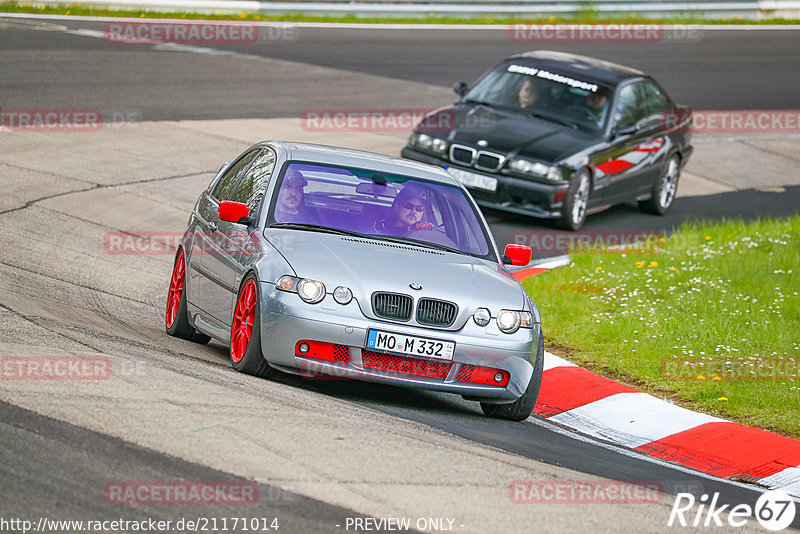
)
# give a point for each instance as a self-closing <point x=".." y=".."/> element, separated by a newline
<point x="175" y="289"/>
<point x="243" y="319"/>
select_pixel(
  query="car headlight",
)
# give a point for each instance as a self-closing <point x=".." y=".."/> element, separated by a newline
<point x="310" y="291"/>
<point x="537" y="169"/>
<point x="428" y="142"/>
<point x="482" y="316"/>
<point x="509" y="321"/>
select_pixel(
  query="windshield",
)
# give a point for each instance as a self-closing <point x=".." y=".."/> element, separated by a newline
<point x="378" y="205"/>
<point x="582" y="104"/>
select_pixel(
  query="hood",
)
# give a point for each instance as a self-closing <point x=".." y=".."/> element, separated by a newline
<point x="512" y="132"/>
<point x="367" y="266"/>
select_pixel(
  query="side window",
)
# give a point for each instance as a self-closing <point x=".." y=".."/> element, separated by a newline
<point x="629" y="109"/>
<point x="227" y="184"/>
<point x="253" y="184"/>
<point x="656" y="102"/>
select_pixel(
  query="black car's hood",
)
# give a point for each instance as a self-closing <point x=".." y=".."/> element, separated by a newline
<point x="508" y="131"/>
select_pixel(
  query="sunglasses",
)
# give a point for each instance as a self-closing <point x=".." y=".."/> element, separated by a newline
<point x="411" y="206"/>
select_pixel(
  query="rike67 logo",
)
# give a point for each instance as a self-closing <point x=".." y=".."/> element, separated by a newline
<point x="775" y="510"/>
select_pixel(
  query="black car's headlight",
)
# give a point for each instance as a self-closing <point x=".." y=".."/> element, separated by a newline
<point x="537" y="169"/>
<point x="509" y="321"/>
<point x="428" y="143"/>
<point x="310" y="291"/>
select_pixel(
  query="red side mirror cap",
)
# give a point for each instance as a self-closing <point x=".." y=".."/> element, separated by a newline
<point x="233" y="211"/>
<point x="517" y="255"/>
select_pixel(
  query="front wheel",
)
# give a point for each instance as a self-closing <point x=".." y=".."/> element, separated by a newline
<point x="573" y="212"/>
<point x="177" y="316"/>
<point x="522" y="408"/>
<point x="245" y="351"/>
<point x="664" y="189"/>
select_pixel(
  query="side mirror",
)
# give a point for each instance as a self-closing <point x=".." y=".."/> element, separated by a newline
<point x="517" y="255"/>
<point x="235" y="212"/>
<point x="460" y="89"/>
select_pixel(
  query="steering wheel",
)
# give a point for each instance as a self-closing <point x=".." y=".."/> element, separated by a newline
<point x="582" y="111"/>
<point x="436" y="237"/>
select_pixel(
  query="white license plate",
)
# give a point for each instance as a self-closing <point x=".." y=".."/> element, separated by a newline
<point x="417" y="346"/>
<point x="471" y="179"/>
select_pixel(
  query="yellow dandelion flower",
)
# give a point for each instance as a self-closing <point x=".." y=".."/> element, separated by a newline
<point x="673" y="269"/>
<point x="661" y="239"/>
<point x="599" y="268"/>
<point x="717" y="378"/>
<point x="652" y="264"/>
<point x="639" y="264"/>
<point x="701" y="377"/>
<point x="723" y="398"/>
<point x="708" y="238"/>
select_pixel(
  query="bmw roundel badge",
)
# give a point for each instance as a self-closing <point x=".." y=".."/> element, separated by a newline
<point x="415" y="286"/>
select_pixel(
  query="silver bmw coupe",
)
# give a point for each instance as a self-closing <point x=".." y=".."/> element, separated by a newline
<point x="318" y="260"/>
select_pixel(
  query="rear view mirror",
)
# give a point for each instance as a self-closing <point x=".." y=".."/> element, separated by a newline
<point x="517" y="255"/>
<point x="376" y="190"/>
<point x="235" y="212"/>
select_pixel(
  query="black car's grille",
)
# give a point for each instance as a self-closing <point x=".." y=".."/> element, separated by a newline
<point x="392" y="306"/>
<point x="488" y="162"/>
<point x="462" y="155"/>
<point x="436" y="312"/>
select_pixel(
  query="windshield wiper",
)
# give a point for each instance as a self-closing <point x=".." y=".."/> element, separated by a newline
<point x="318" y="228"/>
<point x="417" y="242"/>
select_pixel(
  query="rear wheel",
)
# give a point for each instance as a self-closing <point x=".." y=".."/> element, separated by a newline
<point x="573" y="212"/>
<point x="177" y="317"/>
<point x="522" y="408"/>
<point x="245" y="350"/>
<point x="664" y="189"/>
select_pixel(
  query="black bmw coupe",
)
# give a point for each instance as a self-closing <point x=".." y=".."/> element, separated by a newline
<point x="560" y="136"/>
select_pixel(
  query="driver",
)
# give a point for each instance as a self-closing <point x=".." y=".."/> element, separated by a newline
<point x="290" y="207"/>
<point x="596" y="103"/>
<point x="409" y="213"/>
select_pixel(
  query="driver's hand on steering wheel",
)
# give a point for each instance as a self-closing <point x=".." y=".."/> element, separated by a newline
<point x="421" y="226"/>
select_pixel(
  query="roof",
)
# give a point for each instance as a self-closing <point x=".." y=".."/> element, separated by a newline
<point x="333" y="155"/>
<point x="581" y="67"/>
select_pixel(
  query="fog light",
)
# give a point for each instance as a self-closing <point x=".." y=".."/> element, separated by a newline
<point x="481" y="316"/>
<point x="342" y="295"/>
<point x="303" y="347"/>
<point x="498" y="377"/>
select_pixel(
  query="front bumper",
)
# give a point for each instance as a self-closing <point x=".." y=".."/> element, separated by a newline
<point x="287" y="320"/>
<point x="514" y="195"/>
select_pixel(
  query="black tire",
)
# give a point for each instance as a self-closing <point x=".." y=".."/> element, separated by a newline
<point x="665" y="188"/>
<point x="252" y="362"/>
<point x="180" y="325"/>
<point x="522" y="408"/>
<point x="573" y="211"/>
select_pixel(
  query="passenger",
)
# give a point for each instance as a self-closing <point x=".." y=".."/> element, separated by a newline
<point x="409" y="213"/>
<point x="290" y="206"/>
<point x="528" y="93"/>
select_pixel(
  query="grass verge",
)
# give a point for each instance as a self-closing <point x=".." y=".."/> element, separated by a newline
<point x="584" y="15"/>
<point x="708" y="317"/>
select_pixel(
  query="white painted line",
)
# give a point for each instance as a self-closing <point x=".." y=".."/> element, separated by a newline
<point x="551" y="361"/>
<point x="404" y="26"/>
<point x="558" y="261"/>
<point x="632" y="419"/>
<point x="787" y="480"/>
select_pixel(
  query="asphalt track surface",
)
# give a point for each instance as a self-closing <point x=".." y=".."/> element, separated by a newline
<point x="52" y="465"/>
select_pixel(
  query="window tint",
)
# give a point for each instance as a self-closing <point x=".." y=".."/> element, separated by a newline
<point x="227" y="184"/>
<point x="253" y="182"/>
<point x="629" y="108"/>
<point x="656" y="102"/>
